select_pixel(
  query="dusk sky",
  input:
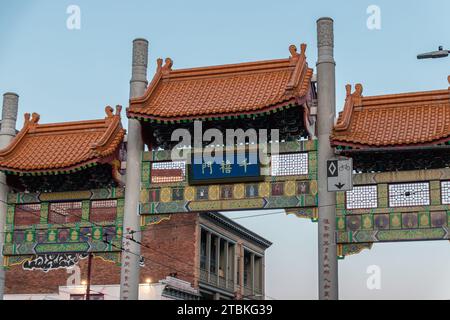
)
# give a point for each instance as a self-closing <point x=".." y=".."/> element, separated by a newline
<point x="67" y="75"/>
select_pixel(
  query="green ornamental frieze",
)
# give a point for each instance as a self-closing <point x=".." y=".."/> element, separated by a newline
<point x="290" y="190"/>
<point x="405" y="219"/>
<point x="84" y="235"/>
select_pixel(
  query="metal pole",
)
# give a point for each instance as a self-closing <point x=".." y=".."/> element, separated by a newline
<point x="326" y="110"/>
<point x="88" y="285"/>
<point x="130" y="273"/>
<point x="7" y="133"/>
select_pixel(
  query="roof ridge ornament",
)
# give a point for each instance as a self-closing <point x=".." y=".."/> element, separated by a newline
<point x="32" y="123"/>
<point x="303" y="47"/>
<point x="298" y="61"/>
<point x="159" y="64"/>
<point x="26" y="119"/>
<point x="118" y="109"/>
<point x="352" y="100"/>
<point x="348" y="89"/>
<point x="293" y="51"/>
<point x="109" y="112"/>
<point x="167" y="67"/>
<point x="357" y="95"/>
<point x="35" y="117"/>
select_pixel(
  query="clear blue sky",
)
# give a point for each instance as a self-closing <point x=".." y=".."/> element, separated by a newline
<point x="72" y="74"/>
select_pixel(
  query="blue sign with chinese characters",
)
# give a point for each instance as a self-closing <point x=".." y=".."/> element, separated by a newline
<point x="240" y="166"/>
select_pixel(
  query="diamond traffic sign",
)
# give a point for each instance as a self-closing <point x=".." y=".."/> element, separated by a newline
<point x="339" y="174"/>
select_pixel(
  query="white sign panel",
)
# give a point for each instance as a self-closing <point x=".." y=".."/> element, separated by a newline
<point x="339" y="175"/>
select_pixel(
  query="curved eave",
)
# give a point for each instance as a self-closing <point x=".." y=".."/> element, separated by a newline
<point x="361" y="146"/>
<point x="288" y="103"/>
<point x="56" y="171"/>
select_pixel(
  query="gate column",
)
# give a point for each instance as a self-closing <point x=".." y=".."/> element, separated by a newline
<point x="130" y="273"/>
<point x="326" y="109"/>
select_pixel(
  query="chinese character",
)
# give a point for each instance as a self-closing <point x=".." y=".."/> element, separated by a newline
<point x="225" y="167"/>
<point x="244" y="164"/>
<point x="207" y="165"/>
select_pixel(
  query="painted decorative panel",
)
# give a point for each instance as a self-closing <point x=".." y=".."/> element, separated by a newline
<point x="445" y="192"/>
<point x="362" y="197"/>
<point x="168" y="171"/>
<point x="290" y="181"/>
<point x="394" y="209"/>
<point x="409" y="194"/>
<point x="290" y="164"/>
<point x="65" y="222"/>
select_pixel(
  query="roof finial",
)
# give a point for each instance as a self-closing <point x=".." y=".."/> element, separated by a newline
<point x="159" y="63"/>
<point x="348" y="90"/>
<point x="27" y="118"/>
<point x="109" y="112"/>
<point x="35" y="117"/>
<point x="358" y="90"/>
<point x="293" y="50"/>
<point x="303" y="49"/>
<point x="167" y="67"/>
<point x="357" y="95"/>
<point x="448" y="79"/>
<point x="118" y="109"/>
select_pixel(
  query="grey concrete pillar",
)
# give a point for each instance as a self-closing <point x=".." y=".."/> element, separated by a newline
<point x="7" y="133"/>
<point x="263" y="276"/>
<point x="226" y="249"/>
<point x="217" y="255"/>
<point x="252" y="270"/>
<point x="326" y="109"/>
<point x="208" y="256"/>
<point x="130" y="272"/>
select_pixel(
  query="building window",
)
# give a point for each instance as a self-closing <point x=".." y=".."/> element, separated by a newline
<point x="64" y="212"/>
<point x="203" y="249"/>
<point x="162" y="172"/>
<point x="27" y="214"/>
<point x="445" y="192"/>
<point x="362" y="197"/>
<point x="247" y="269"/>
<point x="409" y="194"/>
<point x="103" y="210"/>
<point x="290" y="164"/>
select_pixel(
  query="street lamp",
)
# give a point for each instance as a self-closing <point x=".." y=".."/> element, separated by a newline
<point x="441" y="53"/>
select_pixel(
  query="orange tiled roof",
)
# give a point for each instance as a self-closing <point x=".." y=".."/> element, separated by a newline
<point x="225" y="90"/>
<point x="419" y="118"/>
<point x="63" y="146"/>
